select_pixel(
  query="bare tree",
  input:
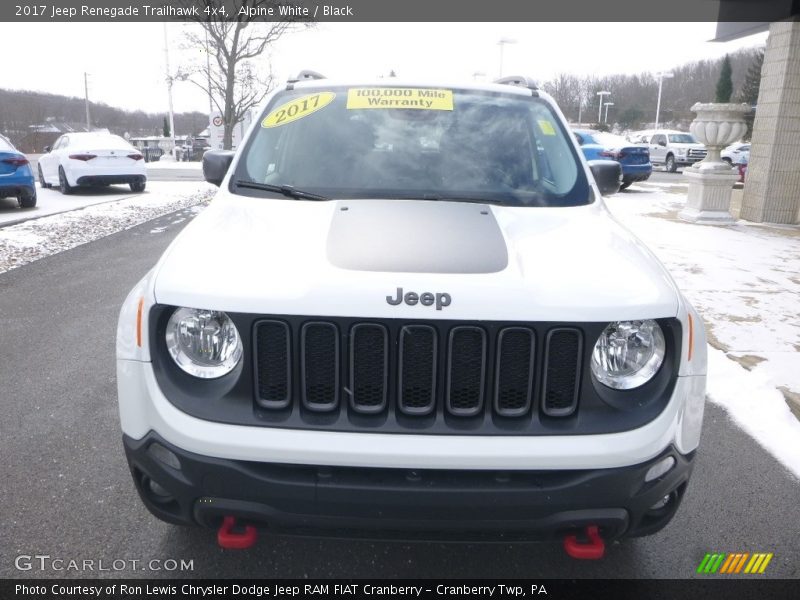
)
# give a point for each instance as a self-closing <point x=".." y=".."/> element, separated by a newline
<point x="236" y="49"/>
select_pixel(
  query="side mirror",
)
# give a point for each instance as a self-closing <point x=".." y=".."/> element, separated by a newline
<point x="662" y="143"/>
<point x="216" y="164"/>
<point x="607" y="175"/>
<point x="48" y="149"/>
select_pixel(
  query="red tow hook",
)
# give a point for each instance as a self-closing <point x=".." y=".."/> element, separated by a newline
<point x="594" y="549"/>
<point x="231" y="540"/>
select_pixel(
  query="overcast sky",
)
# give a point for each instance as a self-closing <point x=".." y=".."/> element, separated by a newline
<point x="126" y="60"/>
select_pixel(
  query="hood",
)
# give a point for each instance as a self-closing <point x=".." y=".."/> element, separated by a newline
<point x="357" y="257"/>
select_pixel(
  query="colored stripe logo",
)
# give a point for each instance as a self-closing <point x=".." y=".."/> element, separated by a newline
<point x="734" y="563"/>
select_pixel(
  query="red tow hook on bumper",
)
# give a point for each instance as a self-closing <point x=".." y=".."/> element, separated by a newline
<point x="231" y="540"/>
<point x="594" y="549"/>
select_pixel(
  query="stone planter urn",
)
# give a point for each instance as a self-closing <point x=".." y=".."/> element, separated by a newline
<point x="711" y="180"/>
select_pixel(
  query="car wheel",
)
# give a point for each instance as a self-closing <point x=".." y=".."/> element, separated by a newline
<point x="624" y="185"/>
<point x="42" y="182"/>
<point x="138" y="186"/>
<point x="63" y="184"/>
<point x="727" y="160"/>
<point x="670" y="165"/>
<point x="28" y="201"/>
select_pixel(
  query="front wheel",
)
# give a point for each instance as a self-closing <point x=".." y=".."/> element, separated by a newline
<point x="670" y="165"/>
<point x="42" y="182"/>
<point x="63" y="184"/>
<point x="27" y="201"/>
<point x="624" y="185"/>
<point x="138" y="186"/>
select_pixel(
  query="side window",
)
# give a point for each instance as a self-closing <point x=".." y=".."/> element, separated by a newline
<point x="659" y="140"/>
<point x="57" y="143"/>
<point x="580" y="139"/>
<point x="64" y="142"/>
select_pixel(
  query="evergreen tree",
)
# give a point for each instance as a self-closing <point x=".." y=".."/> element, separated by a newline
<point x="165" y="128"/>
<point x="725" y="82"/>
<point x="752" y="81"/>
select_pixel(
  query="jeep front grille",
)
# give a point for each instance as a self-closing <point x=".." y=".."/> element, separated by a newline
<point x="416" y="373"/>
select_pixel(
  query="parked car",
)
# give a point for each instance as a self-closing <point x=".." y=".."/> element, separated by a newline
<point x="407" y="312"/>
<point x="675" y="149"/>
<point x="634" y="159"/>
<point x="91" y="159"/>
<point x="732" y="153"/>
<point x="16" y="177"/>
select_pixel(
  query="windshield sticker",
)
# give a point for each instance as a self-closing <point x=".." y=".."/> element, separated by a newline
<point x="399" y="98"/>
<point x="546" y="127"/>
<point x="297" y="109"/>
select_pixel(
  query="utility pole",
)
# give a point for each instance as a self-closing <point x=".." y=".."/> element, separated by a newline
<point x="86" y="98"/>
<point x="661" y="78"/>
<point x="169" y="93"/>
<point x="600" y="108"/>
<point x="607" y="105"/>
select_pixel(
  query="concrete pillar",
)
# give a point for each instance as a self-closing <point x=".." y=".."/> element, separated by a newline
<point x="772" y="191"/>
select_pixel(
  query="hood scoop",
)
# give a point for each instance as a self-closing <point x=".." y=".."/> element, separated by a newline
<point x="416" y="236"/>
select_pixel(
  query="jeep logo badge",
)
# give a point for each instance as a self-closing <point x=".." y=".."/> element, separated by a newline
<point x="426" y="299"/>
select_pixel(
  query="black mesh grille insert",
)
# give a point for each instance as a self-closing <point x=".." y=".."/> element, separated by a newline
<point x="273" y="365"/>
<point x="320" y="366"/>
<point x="417" y="372"/>
<point x="562" y="372"/>
<point x="515" y="353"/>
<point x="368" y="367"/>
<point x="466" y="370"/>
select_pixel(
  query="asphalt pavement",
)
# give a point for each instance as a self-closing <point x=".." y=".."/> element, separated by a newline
<point x="65" y="490"/>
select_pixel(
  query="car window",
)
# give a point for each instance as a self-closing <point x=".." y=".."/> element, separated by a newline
<point x="659" y="139"/>
<point x="64" y="142"/>
<point x="682" y="138"/>
<point x="421" y="143"/>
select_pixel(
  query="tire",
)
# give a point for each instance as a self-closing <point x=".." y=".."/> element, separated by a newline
<point x="728" y="160"/>
<point x="138" y="186"/>
<point x="669" y="164"/>
<point x="27" y="201"/>
<point x="624" y="185"/>
<point x="63" y="184"/>
<point x="42" y="182"/>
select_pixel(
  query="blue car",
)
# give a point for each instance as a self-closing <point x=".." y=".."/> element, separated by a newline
<point x="635" y="160"/>
<point x="16" y="177"/>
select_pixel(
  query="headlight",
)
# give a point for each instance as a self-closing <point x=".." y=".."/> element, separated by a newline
<point x="204" y="343"/>
<point x="628" y="354"/>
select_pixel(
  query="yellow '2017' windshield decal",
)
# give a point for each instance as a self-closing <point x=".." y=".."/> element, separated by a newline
<point x="380" y="97"/>
<point x="297" y="109"/>
<point x="546" y="127"/>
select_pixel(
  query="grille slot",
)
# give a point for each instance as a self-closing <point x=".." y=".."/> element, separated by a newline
<point x="466" y="370"/>
<point x="562" y="372"/>
<point x="319" y="366"/>
<point x="514" y="383"/>
<point x="273" y="364"/>
<point x="369" y="367"/>
<point x="417" y="369"/>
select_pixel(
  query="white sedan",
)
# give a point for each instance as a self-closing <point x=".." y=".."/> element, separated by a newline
<point x="91" y="159"/>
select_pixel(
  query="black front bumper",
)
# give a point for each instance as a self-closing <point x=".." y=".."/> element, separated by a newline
<point x="404" y="503"/>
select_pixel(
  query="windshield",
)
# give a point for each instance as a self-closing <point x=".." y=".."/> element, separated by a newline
<point x="682" y="138"/>
<point x="424" y="143"/>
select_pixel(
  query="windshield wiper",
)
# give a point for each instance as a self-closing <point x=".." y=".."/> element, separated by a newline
<point x="456" y="198"/>
<point x="286" y="190"/>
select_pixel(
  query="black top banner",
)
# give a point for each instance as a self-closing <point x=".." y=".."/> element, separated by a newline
<point x="759" y="11"/>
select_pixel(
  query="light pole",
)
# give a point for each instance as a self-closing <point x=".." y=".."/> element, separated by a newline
<point x="661" y="76"/>
<point x="502" y="43"/>
<point x="600" y="108"/>
<point x="169" y="93"/>
<point x="86" y="98"/>
<point x="607" y="104"/>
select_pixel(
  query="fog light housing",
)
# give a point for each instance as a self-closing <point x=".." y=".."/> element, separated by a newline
<point x="659" y="469"/>
<point x="164" y="455"/>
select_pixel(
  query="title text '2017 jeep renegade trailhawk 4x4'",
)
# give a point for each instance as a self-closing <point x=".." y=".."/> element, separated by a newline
<point x="408" y="312"/>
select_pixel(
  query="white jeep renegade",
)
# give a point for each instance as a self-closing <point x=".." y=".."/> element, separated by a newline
<point x="408" y="312"/>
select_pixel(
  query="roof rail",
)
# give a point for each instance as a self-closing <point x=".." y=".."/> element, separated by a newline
<point x="303" y="75"/>
<point x="520" y="80"/>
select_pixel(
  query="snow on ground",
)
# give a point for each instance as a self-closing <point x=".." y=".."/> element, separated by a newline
<point x="160" y="165"/>
<point x="35" y="239"/>
<point x="745" y="281"/>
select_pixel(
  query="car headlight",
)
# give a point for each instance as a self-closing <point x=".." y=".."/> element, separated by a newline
<point x="628" y="354"/>
<point x="204" y="343"/>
